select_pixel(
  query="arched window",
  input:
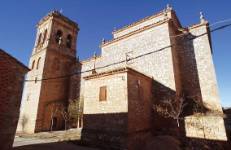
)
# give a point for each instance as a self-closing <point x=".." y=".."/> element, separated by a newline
<point x="32" y="66"/>
<point x="58" y="37"/>
<point x="69" y="41"/>
<point x="44" y="36"/>
<point x="39" y="39"/>
<point x="38" y="63"/>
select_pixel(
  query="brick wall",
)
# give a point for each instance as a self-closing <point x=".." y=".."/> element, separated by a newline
<point x="56" y="60"/>
<point x="11" y="78"/>
<point x="53" y="91"/>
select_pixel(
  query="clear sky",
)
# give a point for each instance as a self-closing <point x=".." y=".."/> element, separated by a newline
<point x="97" y="18"/>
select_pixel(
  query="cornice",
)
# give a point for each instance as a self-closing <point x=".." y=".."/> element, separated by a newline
<point x="135" y="32"/>
<point x="115" y="71"/>
<point x="198" y="25"/>
<point x="56" y="14"/>
<point x="141" y="21"/>
<point x="90" y="59"/>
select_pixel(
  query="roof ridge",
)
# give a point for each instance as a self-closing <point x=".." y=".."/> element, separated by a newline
<point x="134" y="32"/>
<point x="141" y="20"/>
<point x="13" y="58"/>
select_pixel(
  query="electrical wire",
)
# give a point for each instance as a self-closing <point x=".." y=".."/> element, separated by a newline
<point x="142" y="55"/>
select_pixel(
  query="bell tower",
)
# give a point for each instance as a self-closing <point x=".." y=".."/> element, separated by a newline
<point x="47" y="82"/>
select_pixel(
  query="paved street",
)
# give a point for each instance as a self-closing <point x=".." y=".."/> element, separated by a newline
<point x="45" y="144"/>
<point x="57" y="140"/>
<point x="21" y="141"/>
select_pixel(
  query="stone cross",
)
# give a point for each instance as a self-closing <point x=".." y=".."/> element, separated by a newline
<point x="103" y="41"/>
<point x="168" y="7"/>
<point x="202" y="18"/>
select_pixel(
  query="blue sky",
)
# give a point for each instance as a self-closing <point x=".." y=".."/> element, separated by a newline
<point x="97" y="18"/>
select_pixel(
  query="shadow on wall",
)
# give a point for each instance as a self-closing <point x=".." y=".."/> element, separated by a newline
<point x="206" y="130"/>
<point x="111" y="131"/>
<point x="54" y="109"/>
<point x="105" y="130"/>
<point x="75" y="81"/>
<point x="188" y="68"/>
<point x="75" y="98"/>
<point x="227" y="112"/>
<point x="162" y="125"/>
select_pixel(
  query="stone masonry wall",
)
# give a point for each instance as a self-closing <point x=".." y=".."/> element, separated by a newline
<point x="105" y="122"/>
<point x="31" y="93"/>
<point x="176" y="65"/>
<point x="158" y="64"/>
<point x="200" y="83"/>
<point x="153" y="19"/>
<point x="176" y="48"/>
<point x="32" y="89"/>
<point x="139" y="103"/>
<point x="205" y="67"/>
<point x="140" y="111"/>
<point x="116" y="95"/>
<point x="210" y="127"/>
<point x="124" y="115"/>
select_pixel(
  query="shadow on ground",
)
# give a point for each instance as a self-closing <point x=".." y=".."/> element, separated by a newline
<point x="54" y="146"/>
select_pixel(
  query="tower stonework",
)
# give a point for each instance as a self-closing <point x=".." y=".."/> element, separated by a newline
<point x="53" y="54"/>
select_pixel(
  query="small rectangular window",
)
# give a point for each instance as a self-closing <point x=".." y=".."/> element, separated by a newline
<point x="103" y="93"/>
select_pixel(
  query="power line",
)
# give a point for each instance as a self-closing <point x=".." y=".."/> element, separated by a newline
<point x="219" y="22"/>
<point x="210" y="25"/>
<point x="139" y="56"/>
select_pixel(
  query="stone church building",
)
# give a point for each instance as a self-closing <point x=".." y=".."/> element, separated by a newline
<point x="154" y="58"/>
